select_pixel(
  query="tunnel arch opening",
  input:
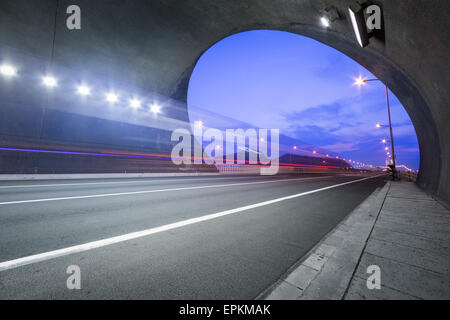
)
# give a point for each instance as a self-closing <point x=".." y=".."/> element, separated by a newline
<point x="383" y="69"/>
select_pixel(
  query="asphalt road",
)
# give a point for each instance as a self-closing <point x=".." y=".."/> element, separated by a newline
<point x="262" y="226"/>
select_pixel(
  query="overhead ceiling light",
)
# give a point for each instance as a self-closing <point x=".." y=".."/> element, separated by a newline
<point x="329" y="15"/>
<point x="8" y="71"/>
<point x="135" y="103"/>
<point x="49" y="81"/>
<point x="111" y="97"/>
<point x="84" y="90"/>
<point x="325" y="22"/>
<point x="198" y="123"/>
<point x="155" y="108"/>
<point x="359" y="24"/>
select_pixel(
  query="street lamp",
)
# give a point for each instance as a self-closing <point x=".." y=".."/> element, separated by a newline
<point x="361" y="81"/>
<point x="290" y="153"/>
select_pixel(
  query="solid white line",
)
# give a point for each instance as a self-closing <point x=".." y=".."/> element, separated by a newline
<point x="134" y="235"/>
<point x="109" y="182"/>
<point x="154" y="191"/>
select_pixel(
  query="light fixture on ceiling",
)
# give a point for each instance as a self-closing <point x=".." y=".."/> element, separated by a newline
<point x="84" y="90"/>
<point x="155" y="108"/>
<point x="356" y="12"/>
<point x="367" y="22"/>
<point x="329" y="15"/>
<point x="49" y="81"/>
<point x="7" y="70"/>
<point x="135" y="103"/>
<point x="111" y="97"/>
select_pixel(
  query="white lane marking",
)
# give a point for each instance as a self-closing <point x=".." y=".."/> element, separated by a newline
<point x="110" y="182"/>
<point x="11" y="264"/>
<point x="154" y="191"/>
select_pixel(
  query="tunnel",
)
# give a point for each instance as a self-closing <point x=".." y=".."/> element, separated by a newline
<point x="156" y="51"/>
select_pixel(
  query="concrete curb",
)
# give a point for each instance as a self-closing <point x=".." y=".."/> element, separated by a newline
<point x="326" y="271"/>
<point x="10" y="177"/>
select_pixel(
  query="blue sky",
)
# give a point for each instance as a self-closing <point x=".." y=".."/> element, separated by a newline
<point x="274" y="79"/>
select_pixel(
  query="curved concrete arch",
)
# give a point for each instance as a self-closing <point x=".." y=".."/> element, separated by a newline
<point x="154" y="45"/>
<point x="386" y="71"/>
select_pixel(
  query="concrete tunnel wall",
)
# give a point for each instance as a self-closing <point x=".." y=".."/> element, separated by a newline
<point x="154" y="45"/>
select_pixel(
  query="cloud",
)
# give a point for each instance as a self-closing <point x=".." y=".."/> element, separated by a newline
<point x="341" y="147"/>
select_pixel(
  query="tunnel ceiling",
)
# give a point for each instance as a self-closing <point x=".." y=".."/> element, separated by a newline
<point x="154" y="45"/>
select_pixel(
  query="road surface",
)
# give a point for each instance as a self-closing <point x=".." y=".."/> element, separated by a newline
<point x="200" y="237"/>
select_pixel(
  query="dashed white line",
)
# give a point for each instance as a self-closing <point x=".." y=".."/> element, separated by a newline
<point x="6" y="265"/>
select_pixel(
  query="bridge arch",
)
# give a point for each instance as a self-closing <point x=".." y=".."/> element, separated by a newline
<point x="390" y="74"/>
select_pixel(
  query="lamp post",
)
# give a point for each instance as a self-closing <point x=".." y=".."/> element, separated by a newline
<point x="360" y="81"/>
<point x="290" y="153"/>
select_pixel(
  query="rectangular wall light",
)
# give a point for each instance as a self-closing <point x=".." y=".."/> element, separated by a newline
<point x="359" y="24"/>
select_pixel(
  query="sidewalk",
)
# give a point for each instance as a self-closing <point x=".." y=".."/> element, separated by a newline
<point x="400" y="229"/>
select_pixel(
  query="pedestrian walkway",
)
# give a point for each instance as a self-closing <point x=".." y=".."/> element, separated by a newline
<point x="401" y="230"/>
